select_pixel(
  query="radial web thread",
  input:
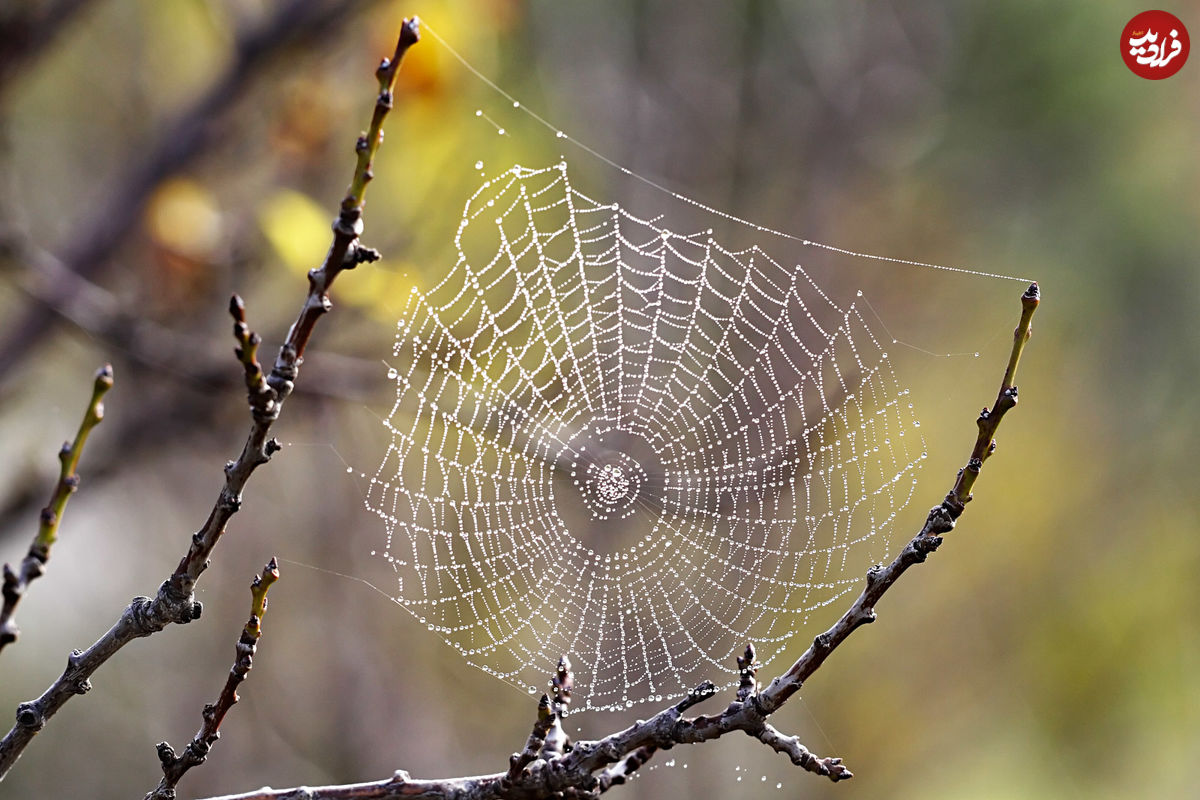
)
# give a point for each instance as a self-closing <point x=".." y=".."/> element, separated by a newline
<point x="630" y="445"/>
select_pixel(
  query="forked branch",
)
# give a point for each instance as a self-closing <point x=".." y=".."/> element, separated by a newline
<point x="590" y="768"/>
<point x="175" y="600"/>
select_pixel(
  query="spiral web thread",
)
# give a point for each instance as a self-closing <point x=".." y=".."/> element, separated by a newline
<point x="629" y="445"/>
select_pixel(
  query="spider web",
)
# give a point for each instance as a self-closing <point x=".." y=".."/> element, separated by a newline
<point x="630" y="445"/>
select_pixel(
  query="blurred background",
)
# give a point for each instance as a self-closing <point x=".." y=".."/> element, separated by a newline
<point x="155" y="157"/>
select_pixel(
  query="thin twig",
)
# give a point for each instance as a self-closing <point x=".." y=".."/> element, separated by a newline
<point x="175" y="766"/>
<point x="175" y="601"/>
<point x="589" y="768"/>
<point x="16" y="582"/>
<point x="941" y="519"/>
<point x="620" y="772"/>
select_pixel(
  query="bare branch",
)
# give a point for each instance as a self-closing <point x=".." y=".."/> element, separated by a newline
<point x="941" y="520"/>
<point x="175" y="601"/>
<point x="16" y="582"/>
<point x="398" y="787"/>
<point x="618" y="773"/>
<point x="588" y="769"/>
<point x="791" y="747"/>
<point x="175" y="766"/>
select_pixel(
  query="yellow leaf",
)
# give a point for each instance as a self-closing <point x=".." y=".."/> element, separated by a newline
<point x="297" y="228"/>
<point x="183" y="217"/>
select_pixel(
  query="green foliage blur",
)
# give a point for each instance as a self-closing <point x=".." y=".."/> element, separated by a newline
<point x="1049" y="650"/>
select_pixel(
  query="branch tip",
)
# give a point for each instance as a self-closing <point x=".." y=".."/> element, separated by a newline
<point x="747" y="673"/>
<point x="175" y="765"/>
<point x="16" y="581"/>
<point x="104" y="379"/>
<point x="1032" y="296"/>
<point x="410" y="33"/>
<point x="563" y="683"/>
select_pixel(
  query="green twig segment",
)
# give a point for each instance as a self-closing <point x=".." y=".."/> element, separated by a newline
<point x="175" y="766"/>
<point x="34" y="563"/>
<point x="989" y="420"/>
<point x="368" y="144"/>
<point x="345" y="252"/>
<point x="68" y="456"/>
